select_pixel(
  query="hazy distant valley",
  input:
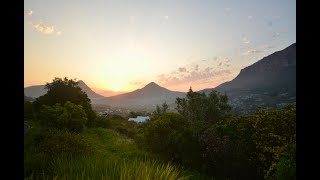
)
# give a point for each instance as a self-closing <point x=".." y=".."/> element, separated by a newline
<point x="270" y="82"/>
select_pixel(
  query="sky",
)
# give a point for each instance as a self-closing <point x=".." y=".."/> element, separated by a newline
<point x="122" y="45"/>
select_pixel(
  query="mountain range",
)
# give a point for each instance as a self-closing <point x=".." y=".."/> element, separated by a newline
<point x="269" y="82"/>
<point x="145" y="98"/>
<point x="39" y="90"/>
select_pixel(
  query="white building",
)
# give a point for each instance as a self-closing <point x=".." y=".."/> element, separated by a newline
<point x="139" y="119"/>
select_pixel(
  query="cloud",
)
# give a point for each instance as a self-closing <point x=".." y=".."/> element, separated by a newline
<point x="251" y="52"/>
<point x="276" y="34"/>
<point x="245" y="40"/>
<point x="267" y="46"/>
<point x="30" y="13"/>
<point x="43" y="28"/>
<point x="182" y="69"/>
<point x="196" y="67"/>
<point x="224" y="62"/>
<point x="250" y="18"/>
<point x="166" y="17"/>
<point x="196" y="75"/>
<point x="136" y="83"/>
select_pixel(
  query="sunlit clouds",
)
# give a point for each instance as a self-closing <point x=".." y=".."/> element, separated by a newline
<point x="198" y="75"/>
<point x="123" y="45"/>
<point x="29" y="13"/>
<point x="43" y="28"/>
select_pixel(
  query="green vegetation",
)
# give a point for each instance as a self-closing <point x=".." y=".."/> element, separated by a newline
<point x="61" y="145"/>
<point x="206" y="137"/>
<point x="203" y="140"/>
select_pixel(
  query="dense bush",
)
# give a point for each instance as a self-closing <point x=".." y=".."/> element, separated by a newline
<point x="56" y="142"/>
<point x="69" y="116"/>
<point x="102" y="122"/>
<point x="206" y="137"/>
<point x="63" y="90"/>
<point x="252" y="146"/>
<point x="203" y="110"/>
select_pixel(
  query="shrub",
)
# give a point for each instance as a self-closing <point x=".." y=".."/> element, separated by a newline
<point x="69" y="116"/>
<point x="56" y="142"/>
<point x="102" y="122"/>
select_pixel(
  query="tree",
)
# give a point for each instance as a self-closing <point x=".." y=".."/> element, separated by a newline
<point x="69" y="116"/>
<point x="160" y="110"/>
<point x="202" y="110"/>
<point x="63" y="90"/>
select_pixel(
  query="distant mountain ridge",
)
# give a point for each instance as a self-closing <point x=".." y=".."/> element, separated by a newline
<point x="277" y="69"/>
<point x="147" y="97"/>
<point x="274" y="74"/>
<point x="39" y="90"/>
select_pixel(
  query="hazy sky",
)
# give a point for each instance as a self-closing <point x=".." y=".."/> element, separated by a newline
<point x="123" y="45"/>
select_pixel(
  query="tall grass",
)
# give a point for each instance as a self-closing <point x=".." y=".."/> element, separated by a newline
<point x="115" y="157"/>
<point x="97" y="167"/>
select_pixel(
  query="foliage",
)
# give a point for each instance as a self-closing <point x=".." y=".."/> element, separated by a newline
<point x="69" y="116"/>
<point x="252" y="146"/>
<point x="63" y="90"/>
<point x="102" y="122"/>
<point x="56" y="142"/>
<point x="274" y="131"/>
<point x="113" y="156"/>
<point x="133" y="114"/>
<point x="286" y="167"/>
<point x="202" y="110"/>
<point x="170" y="137"/>
<point x="160" y="110"/>
<point x="28" y="110"/>
<point x="97" y="167"/>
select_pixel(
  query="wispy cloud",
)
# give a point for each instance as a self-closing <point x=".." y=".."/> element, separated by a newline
<point x="182" y="69"/>
<point x="251" y="52"/>
<point x="224" y="62"/>
<point x="30" y="12"/>
<point x="136" y="83"/>
<point x="245" y="40"/>
<point x="195" y="74"/>
<point x="267" y="46"/>
<point x="43" y="28"/>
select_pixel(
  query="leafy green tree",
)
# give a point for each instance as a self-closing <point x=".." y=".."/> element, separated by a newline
<point x="274" y="132"/>
<point x="69" y="116"/>
<point x="170" y="137"/>
<point x="63" y="90"/>
<point x="202" y="110"/>
<point x="160" y="110"/>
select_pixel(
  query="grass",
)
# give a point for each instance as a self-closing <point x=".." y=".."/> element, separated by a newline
<point x="115" y="157"/>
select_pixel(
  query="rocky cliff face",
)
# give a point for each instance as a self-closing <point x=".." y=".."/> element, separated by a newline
<point x="274" y="62"/>
<point x="270" y="82"/>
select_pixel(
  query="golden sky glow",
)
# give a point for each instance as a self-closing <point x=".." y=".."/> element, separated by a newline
<point x="124" y="45"/>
